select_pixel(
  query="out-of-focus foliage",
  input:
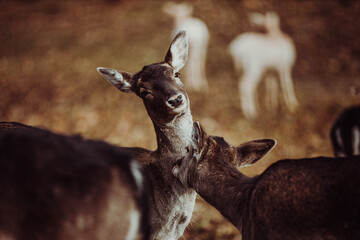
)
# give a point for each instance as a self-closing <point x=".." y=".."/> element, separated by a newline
<point x="49" y="51"/>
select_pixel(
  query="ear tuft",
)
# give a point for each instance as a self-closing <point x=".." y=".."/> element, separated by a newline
<point x="121" y="80"/>
<point x="198" y="135"/>
<point x="178" y="51"/>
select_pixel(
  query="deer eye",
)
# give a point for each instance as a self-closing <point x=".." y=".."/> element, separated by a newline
<point x="177" y="74"/>
<point x="144" y="92"/>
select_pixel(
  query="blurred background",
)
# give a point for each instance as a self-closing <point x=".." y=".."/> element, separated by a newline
<point x="49" y="51"/>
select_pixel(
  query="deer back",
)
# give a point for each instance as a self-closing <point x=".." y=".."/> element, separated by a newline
<point x="312" y="198"/>
<point x="64" y="187"/>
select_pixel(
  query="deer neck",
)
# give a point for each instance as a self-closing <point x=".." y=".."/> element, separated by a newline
<point x="174" y="137"/>
<point x="228" y="191"/>
<point x="275" y="31"/>
<point x="180" y="19"/>
<point x="172" y="203"/>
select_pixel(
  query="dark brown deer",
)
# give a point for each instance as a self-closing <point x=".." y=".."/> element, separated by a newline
<point x="317" y="198"/>
<point x="170" y="203"/>
<point x="167" y="104"/>
<point x="64" y="187"/>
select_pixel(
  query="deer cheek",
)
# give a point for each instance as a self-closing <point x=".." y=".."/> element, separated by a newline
<point x="160" y="113"/>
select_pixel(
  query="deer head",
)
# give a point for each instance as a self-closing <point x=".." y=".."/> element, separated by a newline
<point x="158" y="84"/>
<point x="270" y="21"/>
<point x="209" y="154"/>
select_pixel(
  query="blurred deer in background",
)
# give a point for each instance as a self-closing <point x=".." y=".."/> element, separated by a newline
<point x="311" y="198"/>
<point x="168" y="106"/>
<point x="195" y="74"/>
<point x="64" y="187"/>
<point x="256" y="54"/>
<point x="345" y="133"/>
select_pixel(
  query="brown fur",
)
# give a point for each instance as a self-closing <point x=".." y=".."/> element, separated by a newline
<point x="168" y="106"/>
<point x="171" y="204"/>
<point x="317" y="198"/>
<point x="64" y="187"/>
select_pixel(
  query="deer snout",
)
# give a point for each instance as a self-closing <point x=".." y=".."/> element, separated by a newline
<point x="175" y="101"/>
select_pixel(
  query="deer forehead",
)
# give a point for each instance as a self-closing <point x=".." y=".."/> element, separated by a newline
<point x="218" y="151"/>
<point x="153" y="73"/>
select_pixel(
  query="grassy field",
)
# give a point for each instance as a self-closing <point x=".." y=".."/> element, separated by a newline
<point x="49" y="51"/>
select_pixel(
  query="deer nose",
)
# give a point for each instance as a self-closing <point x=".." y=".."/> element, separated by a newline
<point x="175" y="101"/>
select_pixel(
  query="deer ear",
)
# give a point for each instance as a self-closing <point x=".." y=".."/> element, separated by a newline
<point x="121" y="80"/>
<point x="197" y="133"/>
<point x="177" y="54"/>
<point x="251" y="152"/>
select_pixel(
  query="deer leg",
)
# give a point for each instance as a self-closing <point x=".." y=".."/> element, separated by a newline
<point x="189" y="76"/>
<point x="197" y="73"/>
<point x="198" y="68"/>
<point x="271" y="99"/>
<point x="247" y="87"/>
<point x="202" y="62"/>
<point x="288" y="89"/>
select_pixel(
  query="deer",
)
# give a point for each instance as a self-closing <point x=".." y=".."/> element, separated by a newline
<point x="310" y="198"/>
<point x="167" y="103"/>
<point x="61" y="187"/>
<point x="345" y="133"/>
<point x="195" y="73"/>
<point x="258" y="54"/>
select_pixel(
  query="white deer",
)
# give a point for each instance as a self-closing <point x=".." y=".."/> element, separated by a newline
<point x="198" y="33"/>
<point x="257" y="53"/>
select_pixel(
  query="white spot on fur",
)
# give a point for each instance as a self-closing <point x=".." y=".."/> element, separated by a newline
<point x="172" y="229"/>
<point x="135" y="170"/>
<point x="179" y="131"/>
<point x="134" y="225"/>
<point x="355" y="140"/>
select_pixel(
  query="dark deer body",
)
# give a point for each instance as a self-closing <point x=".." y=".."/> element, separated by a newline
<point x="345" y="133"/>
<point x="64" y="187"/>
<point x="316" y="198"/>
<point x="168" y="106"/>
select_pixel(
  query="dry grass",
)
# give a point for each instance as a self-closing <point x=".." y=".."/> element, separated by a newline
<point x="49" y="52"/>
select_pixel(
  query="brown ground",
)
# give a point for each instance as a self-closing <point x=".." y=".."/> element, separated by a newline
<point x="49" y="51"/>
